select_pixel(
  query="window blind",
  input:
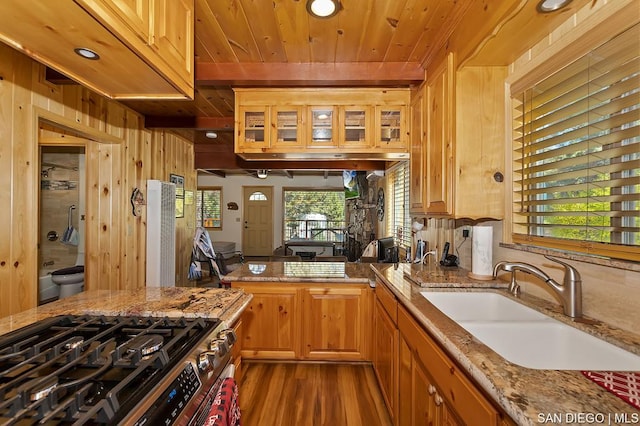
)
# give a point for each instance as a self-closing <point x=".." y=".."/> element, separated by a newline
<point x="208" y="211"/>
<point x="399" y="220"/>
<point x="577" y="154"/>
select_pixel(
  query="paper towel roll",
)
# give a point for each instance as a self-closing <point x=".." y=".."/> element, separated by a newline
<point x="482" y="252"/>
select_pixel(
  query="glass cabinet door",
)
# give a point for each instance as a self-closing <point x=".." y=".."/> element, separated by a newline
<point x="355" y="122"/>
<point x="253" y="122"/>
<point x="288" y="127"/>
<point x="390" y="126"/>
<point x="323" y="126"/>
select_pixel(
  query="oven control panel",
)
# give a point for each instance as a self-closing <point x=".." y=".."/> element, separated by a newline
<point x="167" y="407"/>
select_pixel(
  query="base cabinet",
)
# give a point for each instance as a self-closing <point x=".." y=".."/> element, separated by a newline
<point x="420" y="400"/>
<point x="236" y="350"/>
<point x="270" y="327"/>
<point x="437" y="392"/>
<point x="385" y="355"/>
<point x="297" y="321"/>
<point x="334" y="323"/>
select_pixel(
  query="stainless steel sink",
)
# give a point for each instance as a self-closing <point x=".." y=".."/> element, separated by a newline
<point x="527" y="337"/>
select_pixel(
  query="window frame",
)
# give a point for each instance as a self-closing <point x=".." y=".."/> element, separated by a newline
<point x="403" y="238"/>
<point x="519" y="82"/>
<point x="307" y="189"/>
<point x="200" y="190"/>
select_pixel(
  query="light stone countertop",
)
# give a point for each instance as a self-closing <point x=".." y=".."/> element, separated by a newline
<point x="529" y="396"/>
<point x="175" y="302"/>
<point x="322" y="272"/>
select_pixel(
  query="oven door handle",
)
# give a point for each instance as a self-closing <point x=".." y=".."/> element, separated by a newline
<point x="229" y="371"/>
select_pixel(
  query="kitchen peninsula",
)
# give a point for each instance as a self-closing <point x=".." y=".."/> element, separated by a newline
<point x="173" y="302"/>
<point x="332" y="313"/>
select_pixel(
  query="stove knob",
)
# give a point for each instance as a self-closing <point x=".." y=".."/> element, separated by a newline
<point x="203" y="362"/>
<point x="218" y="347"/>
<point x="229" y="335"/>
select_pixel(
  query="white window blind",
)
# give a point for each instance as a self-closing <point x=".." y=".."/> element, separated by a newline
<point x="399" y="219"/>
<point x="577" y="154"/>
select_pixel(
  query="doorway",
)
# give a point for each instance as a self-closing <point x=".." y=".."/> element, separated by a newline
<point x="61" y="213"/>
<point x="257" y="228"/>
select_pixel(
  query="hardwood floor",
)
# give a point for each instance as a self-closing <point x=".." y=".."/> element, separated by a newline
<point x="300" y="394"/>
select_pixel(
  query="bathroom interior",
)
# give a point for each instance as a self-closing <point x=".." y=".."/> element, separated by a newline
<point x="61" y="227"/>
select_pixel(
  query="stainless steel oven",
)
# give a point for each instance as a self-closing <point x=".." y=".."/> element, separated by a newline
<point x="88" y="369"/>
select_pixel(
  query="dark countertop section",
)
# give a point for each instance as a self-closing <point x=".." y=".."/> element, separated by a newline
<point x="525" y="394"/>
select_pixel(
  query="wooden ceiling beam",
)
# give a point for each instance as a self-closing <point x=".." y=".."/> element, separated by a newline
<point x="309" y="74"/>
<point x="188" y="122"/>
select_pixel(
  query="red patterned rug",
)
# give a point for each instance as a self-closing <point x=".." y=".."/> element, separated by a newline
<point x="622" y="384"/>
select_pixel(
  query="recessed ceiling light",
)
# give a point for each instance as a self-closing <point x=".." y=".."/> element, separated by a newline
<point x="547" y="6"/>
<point x="211" y="135"/>
<point x="86" y="53"/>
<point x="323" y="8"/>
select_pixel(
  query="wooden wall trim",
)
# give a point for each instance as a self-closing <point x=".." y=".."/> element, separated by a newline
<point x="71" y="125"/>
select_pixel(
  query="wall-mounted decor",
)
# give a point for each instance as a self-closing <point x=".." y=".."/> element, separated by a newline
<point x="137" y="200"/>
<point x="179" y="182"/>
<point x="232" y="206"/>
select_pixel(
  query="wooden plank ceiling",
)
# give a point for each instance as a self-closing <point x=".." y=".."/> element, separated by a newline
<point x="251" y="43"/>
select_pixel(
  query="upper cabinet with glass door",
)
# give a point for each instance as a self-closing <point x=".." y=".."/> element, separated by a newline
<point x="287" y="129"/>
<point x="391" y="131"/>
<point x="252" y="127"/>
<point x="355" y="126"/>
<point x="320" y="123"/>
<point x="323" y="126"/>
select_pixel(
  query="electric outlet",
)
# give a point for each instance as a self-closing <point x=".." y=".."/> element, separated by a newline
<point x="465" y="233"/>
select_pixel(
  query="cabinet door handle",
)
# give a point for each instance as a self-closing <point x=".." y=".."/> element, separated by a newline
<point x="431" y="389"/>
<point x="438" y="400"/>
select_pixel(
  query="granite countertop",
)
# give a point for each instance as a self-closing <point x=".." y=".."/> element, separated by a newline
<point x="226" y="304"/>
<point x="529" y="396"/>
<point x="323" y="272"/>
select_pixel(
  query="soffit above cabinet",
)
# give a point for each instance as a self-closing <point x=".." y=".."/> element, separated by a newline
<point x="49" y="32"/>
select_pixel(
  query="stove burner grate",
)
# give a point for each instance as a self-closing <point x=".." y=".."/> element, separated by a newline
<point x="89" y="369"/>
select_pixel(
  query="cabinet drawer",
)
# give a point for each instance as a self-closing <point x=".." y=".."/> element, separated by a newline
<point x="461" y="394"/>
<point x="388" y="300"/>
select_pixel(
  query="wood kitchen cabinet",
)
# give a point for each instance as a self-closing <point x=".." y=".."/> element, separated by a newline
<point x="331" y="123"/>
<point x="253" y="127"/>
<point x="145" y="47"/>
<point x="159" y="31"/>
<point x="417" y="160"/>
<point x="433" y="390"/>
<point x="335" y="323"/>
<point x="355" y="126"/>
<point x="287" y="129"/>
<point x="236" y="350"/>
<point x="463" y="149"/>
<point x="437" y="170"/>
<point x="391" y="127"/>
<point x="385" y="346"/>
<point x="300" y="321"/>
<point x="270" y="327"/>
<point x="421" y="402"/>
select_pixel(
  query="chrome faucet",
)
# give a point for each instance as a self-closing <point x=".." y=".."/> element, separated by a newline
<point x="569" y="292"/>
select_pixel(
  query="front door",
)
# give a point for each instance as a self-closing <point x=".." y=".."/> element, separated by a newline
<point x="257" y="235"/>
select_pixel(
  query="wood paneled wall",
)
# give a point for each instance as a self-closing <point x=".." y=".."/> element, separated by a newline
<point x="120" y="156"/>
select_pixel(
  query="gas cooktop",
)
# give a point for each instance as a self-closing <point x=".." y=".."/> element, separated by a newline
<point x="85" y="369"/>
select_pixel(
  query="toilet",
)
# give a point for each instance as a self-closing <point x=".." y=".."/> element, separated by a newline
<point x="71" y="279"/>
